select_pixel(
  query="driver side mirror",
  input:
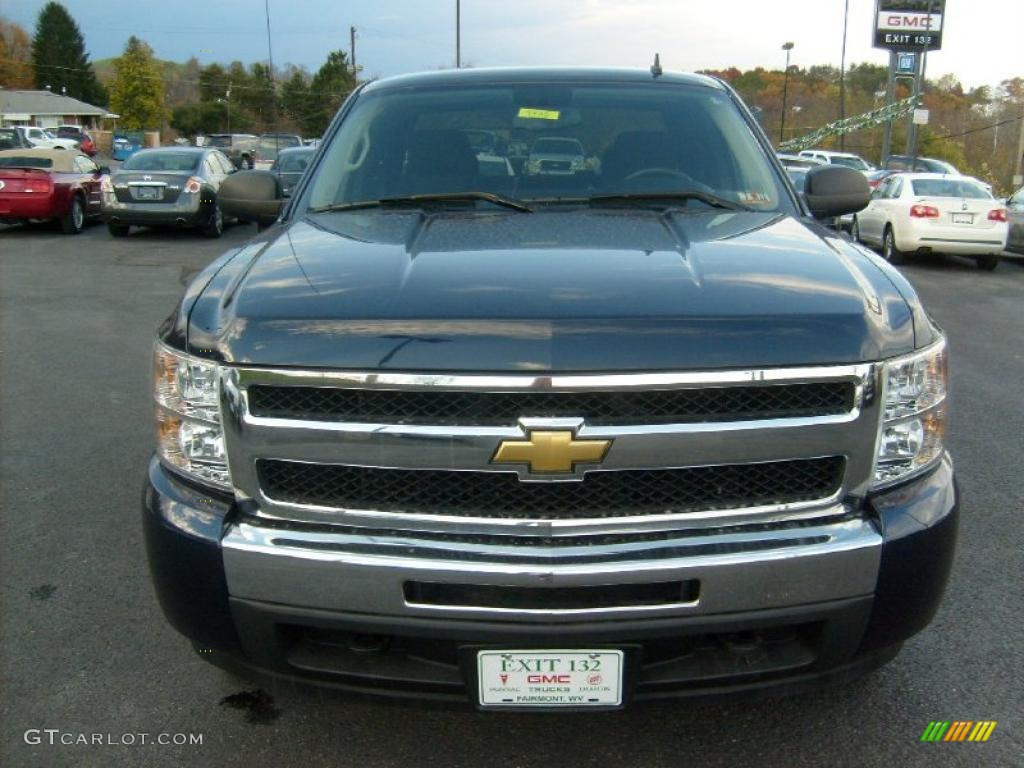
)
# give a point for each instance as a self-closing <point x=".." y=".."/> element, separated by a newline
<point x="832" y="190"/>
<point x="252" y="196"/>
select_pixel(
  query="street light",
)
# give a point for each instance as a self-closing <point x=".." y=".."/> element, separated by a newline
<point x="787" y="47"/>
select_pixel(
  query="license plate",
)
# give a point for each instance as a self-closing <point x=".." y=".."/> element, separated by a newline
<point x="963" y="218"/>
<point x="550" y="678"/>
<point x="147" y="193"/>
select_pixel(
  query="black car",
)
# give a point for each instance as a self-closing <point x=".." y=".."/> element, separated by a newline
<point x="290" y="165"/>
<point x="550" y="440"/>
<point x="13" y="138"/>
<point x="167" y="187"/>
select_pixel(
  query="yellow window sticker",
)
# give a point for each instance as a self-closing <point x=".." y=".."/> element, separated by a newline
<point x="539" y="114"/>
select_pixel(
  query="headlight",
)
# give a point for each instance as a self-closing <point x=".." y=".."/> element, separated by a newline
<point x="914" y="422"/>
<point x="188" y="429"/>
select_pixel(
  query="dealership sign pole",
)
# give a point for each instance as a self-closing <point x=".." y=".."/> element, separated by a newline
<point x="903" y="27"/>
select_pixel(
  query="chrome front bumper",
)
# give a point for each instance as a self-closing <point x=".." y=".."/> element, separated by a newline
<point x="743" y="570"/>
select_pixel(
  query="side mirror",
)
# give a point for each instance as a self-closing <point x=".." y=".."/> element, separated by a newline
<point x="832" y="190"/>
<point x="252" y="196"/>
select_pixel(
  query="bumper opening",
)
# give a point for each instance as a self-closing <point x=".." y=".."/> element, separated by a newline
<point x="552" y="598"/>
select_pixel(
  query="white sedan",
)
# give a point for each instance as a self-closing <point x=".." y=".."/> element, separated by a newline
<point x="931" y="212"/>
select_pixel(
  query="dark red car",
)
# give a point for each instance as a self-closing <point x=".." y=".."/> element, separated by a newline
<point x="50" y="184"/>
<point x="85" y="142"/>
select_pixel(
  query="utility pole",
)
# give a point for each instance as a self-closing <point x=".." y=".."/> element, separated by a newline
<point x="918" y="90"/>
<point x="787" y="47"/>
<point x="842" y="77"/>
<point x="352" y="49"/>
<point x="1018" y="177"/>
<point x="228" y="103"/>
<point x="458" y="34"/>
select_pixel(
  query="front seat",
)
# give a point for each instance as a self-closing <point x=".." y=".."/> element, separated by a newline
<point x="440" y="161"/>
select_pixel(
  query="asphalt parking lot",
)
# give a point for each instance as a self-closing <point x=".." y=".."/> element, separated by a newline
<point x="84" y="647"/>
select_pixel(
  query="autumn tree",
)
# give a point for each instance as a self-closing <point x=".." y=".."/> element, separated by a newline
<point x="59" y="57"/>
<point x="137" y="93"/>
<point x="15" y="56"/>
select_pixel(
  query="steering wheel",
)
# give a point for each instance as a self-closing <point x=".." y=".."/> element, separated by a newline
<point x="670" y="173"/>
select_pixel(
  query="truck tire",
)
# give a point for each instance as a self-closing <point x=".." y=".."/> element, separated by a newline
<point x="890" y="252"/>
<point x="73" y="221"/>
<point x="988" y="262"/>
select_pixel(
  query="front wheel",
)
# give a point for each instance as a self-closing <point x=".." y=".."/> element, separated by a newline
<point x="988" y="262"/>
<point x="890" y="252"/>
<point x="72" y="222"/>
<point x="215" y="226"/>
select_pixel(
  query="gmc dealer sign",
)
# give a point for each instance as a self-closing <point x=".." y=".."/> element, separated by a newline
<point x="903" y="25"/>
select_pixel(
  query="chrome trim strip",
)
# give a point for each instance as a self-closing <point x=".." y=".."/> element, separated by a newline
<point x="293" y="568"/>
<point x="562" y="382"/>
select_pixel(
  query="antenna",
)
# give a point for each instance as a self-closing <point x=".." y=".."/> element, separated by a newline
<point x="656" y="67"/>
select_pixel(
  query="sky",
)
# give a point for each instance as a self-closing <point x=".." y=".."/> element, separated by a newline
<point x="980" y="46"/>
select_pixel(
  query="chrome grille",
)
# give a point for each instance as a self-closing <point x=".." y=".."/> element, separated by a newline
<point x="386" y="451"/>
<point x="599" y="494"/>
<point x="659" y="406"/>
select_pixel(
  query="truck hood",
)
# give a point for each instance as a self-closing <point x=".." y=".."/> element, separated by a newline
<point x="593" y="290"/>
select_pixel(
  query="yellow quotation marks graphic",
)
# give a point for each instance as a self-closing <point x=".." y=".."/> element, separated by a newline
<point x="958" y="730"/>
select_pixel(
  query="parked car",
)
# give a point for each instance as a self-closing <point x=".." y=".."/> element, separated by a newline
<point x="928" y="165"/>
<point x="289" y="166"/>
<point x="167" y="187"/>
<point x="920" y="165"/>
<point x="44" y="139"/>
<point x="75" y="133"/>
<point x="50" y="184"/>
<point x="1015" y="206"/>
<point x="553" y="156"/>
<point x="240" y="148"/>
<point x="12" y="138"/>
<point x="877" y="177"/>
<point x="845" y="159"/>
<point x="796" y="161"/>
<point x="269" y="144"/>
<point x="922" y="213"/>
<point x="435" y="430"/>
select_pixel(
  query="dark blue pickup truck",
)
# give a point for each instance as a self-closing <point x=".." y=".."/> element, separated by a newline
<point x="556" y="438"/>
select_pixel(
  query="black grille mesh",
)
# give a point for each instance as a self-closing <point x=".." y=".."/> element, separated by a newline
<point x="661" y="406"/>
<point x="599" y="494"/>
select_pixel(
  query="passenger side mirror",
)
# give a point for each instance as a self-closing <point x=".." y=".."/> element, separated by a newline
<point x="832" y="190"/>
<point x="252" y="196"/>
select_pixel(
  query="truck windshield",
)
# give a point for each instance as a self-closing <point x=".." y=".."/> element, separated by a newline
<point x="568" y="142"/>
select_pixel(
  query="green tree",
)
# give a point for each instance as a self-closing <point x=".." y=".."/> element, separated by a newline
<point x="59" y="57"/>
<point x="296" y="101"/>
<point x="137" y="93"/>
<point x="330" y="85"/>
<point x="207" y="117"/>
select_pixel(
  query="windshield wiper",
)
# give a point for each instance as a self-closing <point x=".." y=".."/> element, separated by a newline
<point x="420" y="200"/>
<point x="670" y="197"/>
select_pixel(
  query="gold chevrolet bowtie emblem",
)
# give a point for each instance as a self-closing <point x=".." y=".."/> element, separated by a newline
<point x="550" y="452"/>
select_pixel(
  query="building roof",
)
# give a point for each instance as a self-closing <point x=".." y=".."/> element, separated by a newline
<point x="44" y="103"/>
